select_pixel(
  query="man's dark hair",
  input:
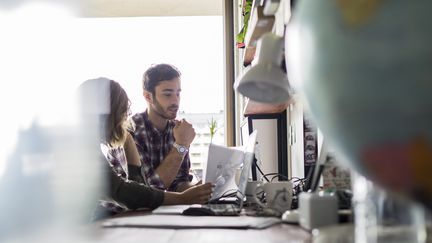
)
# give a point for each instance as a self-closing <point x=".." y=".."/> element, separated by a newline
<point x="157" y="73"/>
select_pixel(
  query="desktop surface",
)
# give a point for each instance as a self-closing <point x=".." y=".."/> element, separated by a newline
<point x="275" y="233"/>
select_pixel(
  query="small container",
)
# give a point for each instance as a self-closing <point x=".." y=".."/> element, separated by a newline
<point x="317" y="209"/>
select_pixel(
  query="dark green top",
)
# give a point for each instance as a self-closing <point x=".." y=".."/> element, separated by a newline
<point x="133" y="193"/>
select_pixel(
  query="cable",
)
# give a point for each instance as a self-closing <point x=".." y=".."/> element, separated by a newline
<point x="262" y="173"/>
<point x="269" y="174"/>
<point x="296" y="179"/>
<point x="275" y="175"/>
<point x="228" y="193"/>
<point x="280" y="175"/>
<point x="258" y="159"/>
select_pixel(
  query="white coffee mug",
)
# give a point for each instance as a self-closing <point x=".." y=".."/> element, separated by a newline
<point x="250" y="192"/>
<point x="278" y="195"/>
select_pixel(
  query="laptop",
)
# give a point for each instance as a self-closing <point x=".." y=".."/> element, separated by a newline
<point x="230" y="207"/>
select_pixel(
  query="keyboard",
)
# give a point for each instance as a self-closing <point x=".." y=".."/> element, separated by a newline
<point x="223" y="209"/>
<point x="212" y="210"/>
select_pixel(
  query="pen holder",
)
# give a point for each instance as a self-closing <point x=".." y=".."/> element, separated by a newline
<point x="317" y="209"/>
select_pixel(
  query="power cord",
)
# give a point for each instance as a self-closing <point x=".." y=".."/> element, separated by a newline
<point x="228" y="193"/>
<point x="262" y="173"/>
<point x="259" y="161"/>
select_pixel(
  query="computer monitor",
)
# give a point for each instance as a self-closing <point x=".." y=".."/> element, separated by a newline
<point x="314" y="174"/>
<point x="249" y="156"/>
<point x="245" y="131"/>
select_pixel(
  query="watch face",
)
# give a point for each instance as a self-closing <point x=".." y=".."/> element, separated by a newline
<point x="181" y="149"/>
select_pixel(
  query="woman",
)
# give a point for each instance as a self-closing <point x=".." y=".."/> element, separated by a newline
<point x="107" y="100"/>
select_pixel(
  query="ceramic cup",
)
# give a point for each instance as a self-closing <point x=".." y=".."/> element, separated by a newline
<point x="278" y="195"/>
<point x="251" y="191"/>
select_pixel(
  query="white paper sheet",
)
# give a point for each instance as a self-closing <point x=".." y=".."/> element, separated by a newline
<point x="183" y="222"/>
<point x="221" y="167"/>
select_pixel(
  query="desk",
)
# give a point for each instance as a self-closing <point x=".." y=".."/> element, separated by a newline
<point x="276" y="233"/>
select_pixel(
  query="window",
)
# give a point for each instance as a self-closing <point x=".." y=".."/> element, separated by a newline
<point x="45" y="59"/>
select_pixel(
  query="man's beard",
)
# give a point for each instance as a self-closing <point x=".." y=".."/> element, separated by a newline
<point x="158" y="109"/>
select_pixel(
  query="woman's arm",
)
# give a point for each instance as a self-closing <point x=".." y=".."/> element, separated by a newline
<point x="133" y="160"/>
<point x="135" y="174"/>
<point x="199" y="194"/>
<point x="132" y="194"/>
<point x="136" y="195"/>
<point x="131" y="151"/>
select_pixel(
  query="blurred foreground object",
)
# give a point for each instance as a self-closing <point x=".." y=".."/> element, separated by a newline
<point x="364" y="67"/>
<point x="385" y="217"/>
<point x="51" y="180"/>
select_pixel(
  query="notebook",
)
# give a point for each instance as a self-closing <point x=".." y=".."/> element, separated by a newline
<point x="233" y="207"/>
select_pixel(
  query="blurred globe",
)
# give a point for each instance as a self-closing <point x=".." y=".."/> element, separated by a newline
<point x="365" y="69"/>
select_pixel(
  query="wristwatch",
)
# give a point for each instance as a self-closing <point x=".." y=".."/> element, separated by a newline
<point x="181" y="149"/>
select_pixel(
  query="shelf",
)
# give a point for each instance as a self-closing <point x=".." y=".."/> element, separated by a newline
<point x="258" y="25"/>
<point x="253" y="108"/>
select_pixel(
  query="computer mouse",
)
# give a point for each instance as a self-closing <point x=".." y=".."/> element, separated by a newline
<point x="198" y="211"/>
<point x="291" y="216"/>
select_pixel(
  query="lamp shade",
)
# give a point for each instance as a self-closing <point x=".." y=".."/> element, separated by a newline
<point x="265" y="81"/>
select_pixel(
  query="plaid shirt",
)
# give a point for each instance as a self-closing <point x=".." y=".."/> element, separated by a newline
<point x="153" y="146"/>
<point x="116" y="158"/>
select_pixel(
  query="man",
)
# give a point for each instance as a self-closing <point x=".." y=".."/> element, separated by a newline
<point x="163" y="142"/>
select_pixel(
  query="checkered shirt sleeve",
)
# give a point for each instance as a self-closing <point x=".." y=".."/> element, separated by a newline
<point x="153" y="146"/>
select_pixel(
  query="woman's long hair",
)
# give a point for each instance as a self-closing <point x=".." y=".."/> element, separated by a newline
<point x="105" y="103"/>
<point x="116" y="122"/>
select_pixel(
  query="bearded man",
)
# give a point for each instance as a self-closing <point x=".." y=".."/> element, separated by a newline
<point x="162" y="141"/>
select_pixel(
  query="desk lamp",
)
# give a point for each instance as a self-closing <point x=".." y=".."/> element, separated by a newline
<point x="265" y="81"/>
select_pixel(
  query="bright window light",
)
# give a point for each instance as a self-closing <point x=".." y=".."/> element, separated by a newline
<point x="44" y="59"/>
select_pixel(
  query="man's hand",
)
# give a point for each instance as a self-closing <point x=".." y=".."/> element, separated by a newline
<point x="198" y="194"/>
<point x="184" y="133"/>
